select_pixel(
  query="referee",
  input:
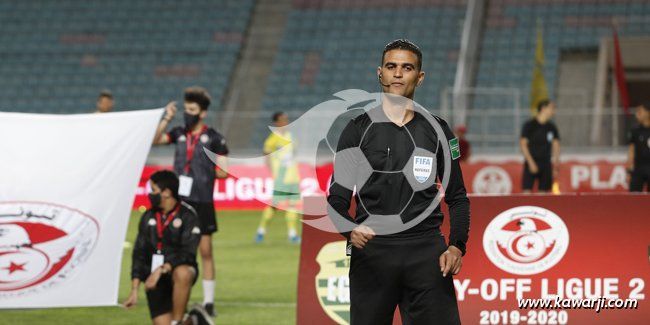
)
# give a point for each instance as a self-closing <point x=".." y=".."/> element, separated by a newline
<point x="540" y="145"/>
<point x="411" y="269"/>
<point x="638" y="162"/>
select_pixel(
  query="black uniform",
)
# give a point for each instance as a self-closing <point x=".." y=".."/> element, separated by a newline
<point x="179" y="243"/>
<point x="640" y="138"/>
<point x="401" y="269"/>
<point x="540" y="144"/>
<point x="201" y="169"/>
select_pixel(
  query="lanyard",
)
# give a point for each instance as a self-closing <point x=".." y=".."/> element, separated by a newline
<point x="191" y="142"/>
<point x="160" y="227"/>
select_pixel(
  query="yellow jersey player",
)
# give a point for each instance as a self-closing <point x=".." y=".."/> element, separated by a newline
<point x="279" y="149"/>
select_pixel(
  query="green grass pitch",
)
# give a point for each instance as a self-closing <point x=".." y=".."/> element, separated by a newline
<point x="256" y="283"/>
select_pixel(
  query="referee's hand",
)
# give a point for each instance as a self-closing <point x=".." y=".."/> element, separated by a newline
<point x="451" y="261"/>
<point x="361" y="235"/>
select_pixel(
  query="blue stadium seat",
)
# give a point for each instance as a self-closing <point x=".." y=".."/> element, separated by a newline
<point x="567" y="25"/>
<point x="348" y="39"/>
<point x="81" y="47"/>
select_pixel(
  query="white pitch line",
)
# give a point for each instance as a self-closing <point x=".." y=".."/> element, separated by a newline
<point x="256" y="304"/>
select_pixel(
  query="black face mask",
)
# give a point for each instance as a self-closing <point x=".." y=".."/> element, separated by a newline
<point x="155" y="200"/>
<point x="190" y="120"/>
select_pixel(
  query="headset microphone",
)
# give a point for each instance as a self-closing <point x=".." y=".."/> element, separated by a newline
<point x="381" y="83"/>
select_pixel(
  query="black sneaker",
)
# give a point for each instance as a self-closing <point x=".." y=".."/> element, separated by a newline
<point x="209" y="308"/>
<point x="200" y="316"/>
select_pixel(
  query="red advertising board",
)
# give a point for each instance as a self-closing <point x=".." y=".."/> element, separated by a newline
<point x="528" y="247"/>
<point x="253" y="185"/>
<point x="574" y="177"/>
<point x="250" y="188"/>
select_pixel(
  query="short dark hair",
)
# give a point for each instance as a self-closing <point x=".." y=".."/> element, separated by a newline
<point x="644" y="105"/>
<point x="403" y="44"/>
<point x="105" y="94"/>
<point x="276" y="116"/>
<point x="166" y="180"/>
<point x="198" y="95"/>
<point x="542" y="103"/>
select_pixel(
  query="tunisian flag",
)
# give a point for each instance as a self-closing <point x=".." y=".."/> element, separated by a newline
<point x="66" y="189"/>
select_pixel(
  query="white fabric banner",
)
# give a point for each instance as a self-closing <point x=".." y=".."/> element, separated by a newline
<point x="67" y="183"/>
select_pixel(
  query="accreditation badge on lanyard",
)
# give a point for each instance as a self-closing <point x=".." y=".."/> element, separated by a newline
<point x="184" y="181"/>
<point x="158" y="259"/>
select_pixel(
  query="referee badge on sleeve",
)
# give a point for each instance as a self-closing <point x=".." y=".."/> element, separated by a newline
<point x="454" y="147"/>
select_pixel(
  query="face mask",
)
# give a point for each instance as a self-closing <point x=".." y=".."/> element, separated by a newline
<point x="190" y="120"/>
<point x="155" y="200"/>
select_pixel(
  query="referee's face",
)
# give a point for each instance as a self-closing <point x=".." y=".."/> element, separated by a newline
<point x="399" y="73"/>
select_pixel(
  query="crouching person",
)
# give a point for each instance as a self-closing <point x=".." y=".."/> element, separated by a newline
<point x="164" y="254"/>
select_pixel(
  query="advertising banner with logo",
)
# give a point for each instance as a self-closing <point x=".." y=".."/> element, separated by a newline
<point x="575" y="176"/>
<point x="67" y="184"/>
<point x="253" y="189"/>
<point x="520" y="247"/>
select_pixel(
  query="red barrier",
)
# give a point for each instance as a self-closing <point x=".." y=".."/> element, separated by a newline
<point x="572" y="246"/>
<point x="253" y="188"/>
<point x="574" y="177"/>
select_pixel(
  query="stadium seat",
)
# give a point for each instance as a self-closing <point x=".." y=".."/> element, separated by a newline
<point x="91" y="45"/>
<point x="344" y="37"/>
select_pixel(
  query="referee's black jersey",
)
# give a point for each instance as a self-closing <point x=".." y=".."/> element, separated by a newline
<point x="640" y="138"/>
<point x="179" y="242"/>
<point x="540" y="139"/>
<point x="201" y="168"/>
<point x="389" y="147"/>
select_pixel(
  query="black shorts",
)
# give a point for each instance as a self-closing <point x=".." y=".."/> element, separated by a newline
<point x="160" y="299"/>
<point x="207" y="217"/>
<point x="388" y="273"/>
<point x="544" y="177"/>
<point x="639" y="178"/>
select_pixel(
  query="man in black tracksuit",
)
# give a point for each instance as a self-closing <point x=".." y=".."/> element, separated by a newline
<point x="164" y="253"/>
<point x="638" y="161"/>
<point x="412" y="268"/>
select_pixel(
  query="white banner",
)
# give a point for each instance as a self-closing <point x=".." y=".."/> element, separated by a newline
<point x="67" y="183"/>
